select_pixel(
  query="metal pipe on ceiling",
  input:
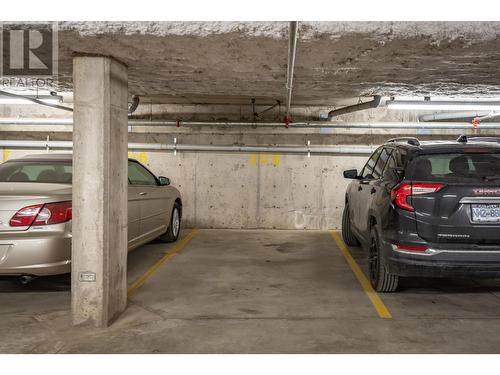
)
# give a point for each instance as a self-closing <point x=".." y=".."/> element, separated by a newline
<point x="328" y="150"/>
<point x="34" y="100"/>
<point x="292" y="49"/>
<point x="36" y="121"/>
<point x="306" y="125"/>
<point x="356" y="107"/>
<point x="324" y="125"/>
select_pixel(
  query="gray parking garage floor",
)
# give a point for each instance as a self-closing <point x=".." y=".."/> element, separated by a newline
<point x="269" y="291"/>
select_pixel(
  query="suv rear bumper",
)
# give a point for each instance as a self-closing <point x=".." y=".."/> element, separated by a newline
<point x="413" y="268"/>
<point x="441" y="262"/>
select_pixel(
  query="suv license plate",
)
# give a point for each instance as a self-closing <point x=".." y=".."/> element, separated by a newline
<point x="486" y="213"/>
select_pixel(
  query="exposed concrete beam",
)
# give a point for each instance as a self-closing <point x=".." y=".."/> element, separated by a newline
<point x="100" y="188"/>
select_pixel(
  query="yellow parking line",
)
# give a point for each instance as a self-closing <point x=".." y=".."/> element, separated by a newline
<point x="174" y="250"/>
<point x="382" y="310"/>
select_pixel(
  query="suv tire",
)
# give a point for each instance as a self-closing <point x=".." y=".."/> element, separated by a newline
<point x="347" y="235"/>
<point x="381" y="280"/>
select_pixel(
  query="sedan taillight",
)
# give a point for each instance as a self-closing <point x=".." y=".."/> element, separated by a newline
<point x="25" y="216"/>
<point x="42" y="214"/>
<point x="400" y="194"/>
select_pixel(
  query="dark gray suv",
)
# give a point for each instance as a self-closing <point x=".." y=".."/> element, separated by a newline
<point x="429" y="209"/>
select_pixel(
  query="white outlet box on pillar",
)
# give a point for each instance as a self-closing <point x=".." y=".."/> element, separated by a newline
<point x="100" y="188"/>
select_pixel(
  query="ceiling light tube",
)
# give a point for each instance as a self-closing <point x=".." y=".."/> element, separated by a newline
<point x="440" y="105"/>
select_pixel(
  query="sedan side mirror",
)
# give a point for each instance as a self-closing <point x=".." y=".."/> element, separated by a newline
<point x="351" y="173"/>
<point x="163" y="181"/>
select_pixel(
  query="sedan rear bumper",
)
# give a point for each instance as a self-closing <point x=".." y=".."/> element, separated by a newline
<point x="36" y="254"/>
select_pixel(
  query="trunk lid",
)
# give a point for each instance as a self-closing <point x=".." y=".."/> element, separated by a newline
<point x="17" y="195"/>
<point x="467" y="208"/>
<point x="447" y="215"/>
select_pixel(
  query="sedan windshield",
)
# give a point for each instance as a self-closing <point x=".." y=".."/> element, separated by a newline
<point x="36" y="171"/>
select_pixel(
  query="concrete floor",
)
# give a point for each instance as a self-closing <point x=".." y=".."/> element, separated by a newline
<point x="236" y="291"/>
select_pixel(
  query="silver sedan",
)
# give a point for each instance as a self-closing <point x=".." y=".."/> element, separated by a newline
<point x="35" y="213"/>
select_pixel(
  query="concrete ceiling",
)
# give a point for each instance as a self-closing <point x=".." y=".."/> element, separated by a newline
<point x="233" y="61"/>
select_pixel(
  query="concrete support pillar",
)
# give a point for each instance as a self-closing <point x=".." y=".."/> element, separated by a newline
<point x="100" y="186"/>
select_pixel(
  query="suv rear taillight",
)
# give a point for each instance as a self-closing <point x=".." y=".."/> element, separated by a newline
<point x="400" y="194"/>
<point x="42" y="214"/>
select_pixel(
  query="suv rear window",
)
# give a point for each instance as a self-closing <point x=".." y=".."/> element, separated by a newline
<point x="455" y="167"/>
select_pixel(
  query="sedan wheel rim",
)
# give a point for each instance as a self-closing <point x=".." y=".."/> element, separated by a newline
<point x="175" y="222"/>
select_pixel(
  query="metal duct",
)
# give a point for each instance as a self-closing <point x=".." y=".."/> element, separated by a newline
<point x="489" y="116"/>
<point x="134" y="104"/>
<point x="292" y="49"/>
<point x="356" y="107"/>
<point x="452" y="115"/>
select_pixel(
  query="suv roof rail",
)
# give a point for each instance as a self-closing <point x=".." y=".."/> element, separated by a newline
<point x="465" y="139"/>
<point x="410" y="140"/>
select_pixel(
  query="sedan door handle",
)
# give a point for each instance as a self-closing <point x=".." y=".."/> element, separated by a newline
<point x="142" y="193"/>
<point x="360" y="188"/>
<point x="373" y="190"/>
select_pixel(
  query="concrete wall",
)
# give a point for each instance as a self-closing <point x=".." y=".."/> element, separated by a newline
<point x="258" y="190"/>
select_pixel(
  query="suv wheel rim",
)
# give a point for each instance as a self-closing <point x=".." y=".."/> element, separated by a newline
<point x="373" y="261"/>
<point x="175" y="222"/>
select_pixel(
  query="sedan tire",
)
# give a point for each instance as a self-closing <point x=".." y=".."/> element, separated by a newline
<point x="174" y="228"/>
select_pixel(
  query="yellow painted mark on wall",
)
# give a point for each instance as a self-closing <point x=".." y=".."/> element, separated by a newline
<point x="155" y="267"/>
<point x="276" y="159"/>
<point x="372" y="295"/>
<point x="253" y="159"/>
<point x="6" y="154"/>
<point x="143" y="157"/>
<point x="264" y="159"/>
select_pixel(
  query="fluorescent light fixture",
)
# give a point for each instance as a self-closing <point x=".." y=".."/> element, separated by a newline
<point x="445" y="104"/>
<point x="45" y="98"/>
